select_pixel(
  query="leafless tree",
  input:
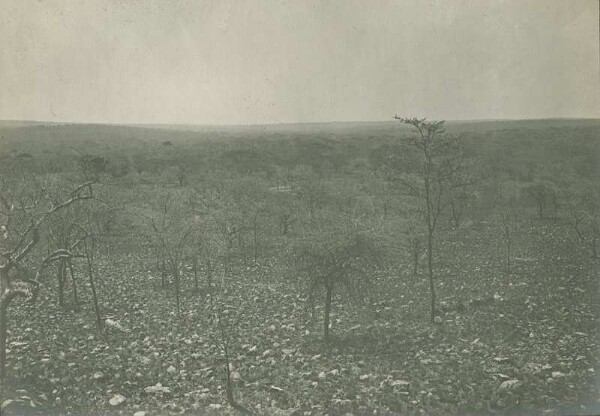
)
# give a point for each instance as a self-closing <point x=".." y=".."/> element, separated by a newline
<point x="506" y="219"/>
<point x="439" y="172"/>
<point x="584" y="216"/>
<point x="66" y="234"/>
<point x="172" y="235"/>
<point x="22" y="223"/>
<point x="182" y="174"/>
<point x="544" y="196"/>
<point x="332" y="256"/>
<point x="225" y="319"/>
<point x="89" y="243"/>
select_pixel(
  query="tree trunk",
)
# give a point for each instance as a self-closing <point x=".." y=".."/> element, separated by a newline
<point x="195" y="269"/>
<point x="74" y="283"/>
<point x="3" y="332"/>
<point x="430" y="269"/>
<point x="386" y="208"/>
<point x="508" y="247"/>
<point x="229" y="384"/>
<point x="285" y="224"/>
<point x="540" y="209"/>
<point x="176" y="276"/>
<point x="255" y="238"/>
<point x="430" y="220"/>
<point x="61" y="272"/>
<point x="416" y="248"/>
<point x="456" y="213"/>
<point x="90" y="270"/>
<point x="328" y="296"/>
<point x="209" y="275"/>
<point x="415" y="262"/>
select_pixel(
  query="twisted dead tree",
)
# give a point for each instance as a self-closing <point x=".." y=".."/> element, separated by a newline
<point x="19" y="235"/>
<point x="67" y="235"/>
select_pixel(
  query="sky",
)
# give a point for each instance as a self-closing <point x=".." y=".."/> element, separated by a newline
<point x="286" y="61"/>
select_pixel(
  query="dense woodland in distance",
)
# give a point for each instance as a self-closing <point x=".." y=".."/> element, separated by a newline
<point x="401" y="267"/>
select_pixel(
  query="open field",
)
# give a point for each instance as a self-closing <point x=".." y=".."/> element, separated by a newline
<point x="196" y="277"/>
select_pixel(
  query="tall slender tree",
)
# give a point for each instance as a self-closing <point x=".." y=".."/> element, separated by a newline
<point x="434" y="175"/>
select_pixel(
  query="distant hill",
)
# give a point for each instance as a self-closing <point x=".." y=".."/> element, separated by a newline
<point x="328" y="127"/>
<point x="514" y="142"/>
<point x="25" y="123"/>
<point x="104" y="134"/>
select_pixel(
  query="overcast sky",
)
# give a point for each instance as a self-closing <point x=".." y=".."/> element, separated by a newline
<point x="239" y="62"/>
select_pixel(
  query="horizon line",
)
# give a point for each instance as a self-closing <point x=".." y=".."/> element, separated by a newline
<point x="283" y="123"/>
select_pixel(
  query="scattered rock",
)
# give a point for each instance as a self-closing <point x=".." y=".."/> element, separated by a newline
<point x="157" y="388"/>
<point x="509" y="384"/>
<point x="117" y="399"/>
<point x="99" y="376"/>
<point x="5" y="403"/>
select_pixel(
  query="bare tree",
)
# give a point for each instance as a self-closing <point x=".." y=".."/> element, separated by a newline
<point x="172" y="234"/>
<point x="159" y="228"/>
<point x="175" y="252"/>
<point x="225" y="318"/>
<point x="182" y="174"/>
<point x="458" y="204"/>
<point x="544" y="195"/>
<point x="506" y="219"/>
<point x="224" y="312"/>
<point x="584" y="216"/>
<point x="20" y="234"/>
<point x="310" y="189"/>
<point x="242" y="216"/>
<point x="66" y="234"/>
<point x="414" y="242"/>
<point x="89" y="243"/>
<point x="387" y="199"/>
<point x="284" y="209"/>
<point x="91" y="166"/>
<point x="439" y="171"/>
<point x="336" y="255"/>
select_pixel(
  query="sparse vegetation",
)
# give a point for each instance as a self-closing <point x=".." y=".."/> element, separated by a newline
<point x="195" y="289"/>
